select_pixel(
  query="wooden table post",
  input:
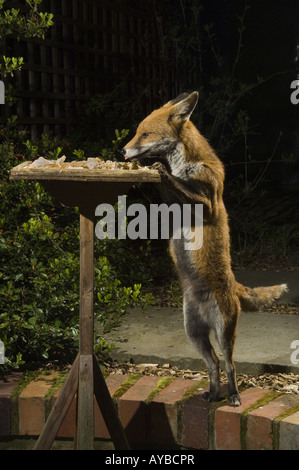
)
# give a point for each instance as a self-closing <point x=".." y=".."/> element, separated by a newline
<point x="85" y="408"/>
<point x="85" y="189"/>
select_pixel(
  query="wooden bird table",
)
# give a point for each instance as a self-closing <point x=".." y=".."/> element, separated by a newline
<point x="86" y="189"/>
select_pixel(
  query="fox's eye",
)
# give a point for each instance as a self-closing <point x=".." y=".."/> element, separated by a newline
<point x="145" y="135"/>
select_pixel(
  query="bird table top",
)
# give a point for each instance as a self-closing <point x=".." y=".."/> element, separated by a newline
<point x="92" y="169"/>
<point x="83" y="183"/>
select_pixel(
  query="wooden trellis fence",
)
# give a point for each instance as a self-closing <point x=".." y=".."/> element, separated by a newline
<point x="91" y="46"/>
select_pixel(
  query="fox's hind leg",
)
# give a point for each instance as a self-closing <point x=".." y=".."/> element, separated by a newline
<point x="226" y="338"/>
<point x="198" y="331"/>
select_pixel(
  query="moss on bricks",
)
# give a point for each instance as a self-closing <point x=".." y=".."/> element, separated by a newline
<point x="105" y="373"/>
<point x="194" y="390"/>
<point x="191" y="392"/>
<point x="161" y="384"/>
<point x="14" y="417"/>
<point x="57" y="383"/>
<point x="211" y="423"/>
<point x="128" y="383"/>
<point x="267" y="398"/>
<point x="29" y="377"/>
<point x="287" y="412"/>
<point x="276" y="423"/>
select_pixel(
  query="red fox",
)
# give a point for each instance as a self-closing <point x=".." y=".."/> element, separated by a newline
<point x="191" y="173"/>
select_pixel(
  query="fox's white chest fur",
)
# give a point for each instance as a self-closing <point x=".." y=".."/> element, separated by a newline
<point x="179" y="165"/>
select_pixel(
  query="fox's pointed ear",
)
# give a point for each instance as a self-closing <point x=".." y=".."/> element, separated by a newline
<point x="176" y="100"/>
<point x="182" y="110"/>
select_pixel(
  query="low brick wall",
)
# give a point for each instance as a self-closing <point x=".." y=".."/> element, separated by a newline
<point x="160" y="413"/>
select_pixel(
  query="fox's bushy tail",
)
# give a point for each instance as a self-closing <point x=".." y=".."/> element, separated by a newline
<point x="253" y="299"/>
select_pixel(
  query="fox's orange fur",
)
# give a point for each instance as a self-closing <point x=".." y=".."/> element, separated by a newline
<point x="192" y="173"/>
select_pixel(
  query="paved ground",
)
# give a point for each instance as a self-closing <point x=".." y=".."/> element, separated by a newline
<point x="263" y="344"/>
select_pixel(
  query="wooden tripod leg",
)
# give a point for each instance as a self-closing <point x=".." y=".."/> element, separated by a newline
<point x="108" y="410"/>
<point x="59" y="409"/>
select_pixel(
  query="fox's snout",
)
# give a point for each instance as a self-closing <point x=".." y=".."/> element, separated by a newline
<point x="125" y="153"/>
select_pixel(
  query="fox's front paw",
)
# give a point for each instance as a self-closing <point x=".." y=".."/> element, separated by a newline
<point x="161" y="169"/>
<point x="158" y="166"/>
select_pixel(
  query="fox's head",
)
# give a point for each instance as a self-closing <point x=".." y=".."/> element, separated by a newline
<point x="159" y="134"/>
